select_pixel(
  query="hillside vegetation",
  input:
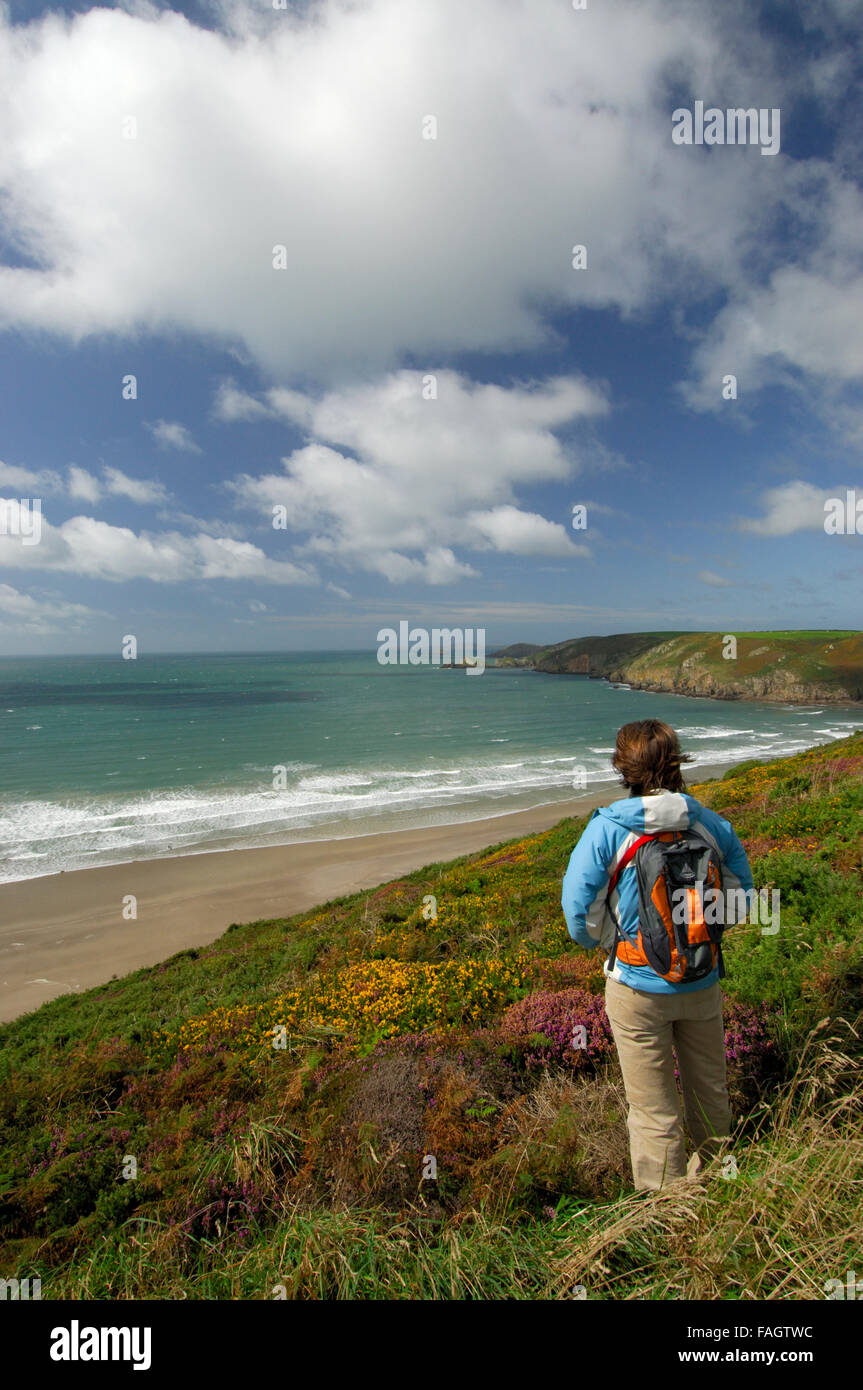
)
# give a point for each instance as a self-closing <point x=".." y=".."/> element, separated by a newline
<point x="381" y="1100"/>
<point x="801" y="667"/>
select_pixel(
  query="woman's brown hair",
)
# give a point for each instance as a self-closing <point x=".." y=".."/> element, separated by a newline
<point x="647" y="755"/>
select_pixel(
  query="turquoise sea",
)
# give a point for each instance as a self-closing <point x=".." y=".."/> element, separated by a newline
<point x="104" y="761"/>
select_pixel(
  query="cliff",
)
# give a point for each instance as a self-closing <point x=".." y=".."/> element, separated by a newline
<point x="794" y="667"/>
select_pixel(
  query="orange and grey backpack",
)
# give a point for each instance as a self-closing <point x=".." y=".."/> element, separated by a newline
<point x="672" y="867"/>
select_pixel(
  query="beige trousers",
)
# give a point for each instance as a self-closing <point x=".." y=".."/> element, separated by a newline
<point x="645" y="1027"/>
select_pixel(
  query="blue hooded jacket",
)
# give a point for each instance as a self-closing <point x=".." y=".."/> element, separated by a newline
<point x="591" y="913"/>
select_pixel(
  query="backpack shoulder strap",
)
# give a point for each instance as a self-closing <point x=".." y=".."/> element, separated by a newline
<point x="625" y="859"/>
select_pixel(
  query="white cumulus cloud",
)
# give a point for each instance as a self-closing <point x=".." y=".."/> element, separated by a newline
<point x="793" y="506"/>
<point x="140" y="490"/>
<point x="172" y="435"/>
<point x="425" y="477"/>
<point x="303" y="129"/>
<point x="86" y="546"/>
<point x="83" y="485"/>
<point x="24" y="611"/>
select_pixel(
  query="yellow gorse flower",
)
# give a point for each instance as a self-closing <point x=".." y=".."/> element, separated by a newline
<point x="374" y="998"/>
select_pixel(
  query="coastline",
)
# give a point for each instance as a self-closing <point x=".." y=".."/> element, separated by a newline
<point x="737" y="696"/>
<point x="65" y="933"/>
<point x="730" y="697"/>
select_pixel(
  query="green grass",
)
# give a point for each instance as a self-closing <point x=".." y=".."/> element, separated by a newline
<point x="818" y="634"/>
<point x="301" y="1168"/>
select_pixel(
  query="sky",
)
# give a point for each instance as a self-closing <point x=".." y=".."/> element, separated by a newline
<point x="295" y="344"/>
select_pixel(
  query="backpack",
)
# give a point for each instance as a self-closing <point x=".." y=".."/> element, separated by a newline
<point x="672" y="867"/>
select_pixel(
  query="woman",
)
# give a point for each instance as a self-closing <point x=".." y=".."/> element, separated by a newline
<point x="649" y="1013"/>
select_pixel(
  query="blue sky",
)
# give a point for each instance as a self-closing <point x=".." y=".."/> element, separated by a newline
<point x="147" y="249"/>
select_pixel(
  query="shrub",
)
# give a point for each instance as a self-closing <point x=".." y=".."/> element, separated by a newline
<point x="751" y="1055"/>
<point x="541" y="1029"/>
<point x="740" y="768"/>
<point x="581" y="968"/>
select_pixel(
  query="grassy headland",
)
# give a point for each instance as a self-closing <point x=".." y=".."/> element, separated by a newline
<point x="283" y="1091"/>
<point x="801" y="667"/>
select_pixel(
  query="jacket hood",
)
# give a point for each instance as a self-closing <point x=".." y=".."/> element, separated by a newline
<point x="659" y="811"/>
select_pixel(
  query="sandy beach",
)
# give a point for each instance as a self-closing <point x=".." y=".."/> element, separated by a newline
<point x="66" y="932"/>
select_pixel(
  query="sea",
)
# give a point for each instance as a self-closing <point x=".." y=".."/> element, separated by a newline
<point x="105" y="761"/>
